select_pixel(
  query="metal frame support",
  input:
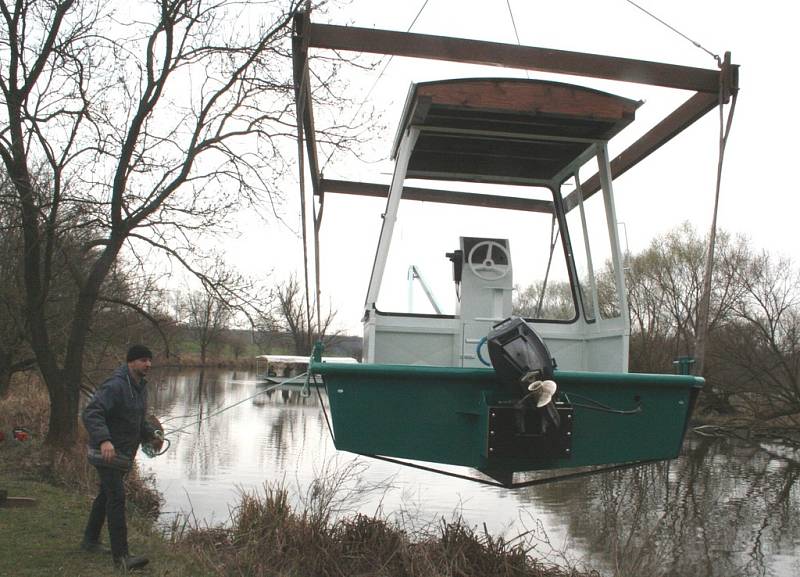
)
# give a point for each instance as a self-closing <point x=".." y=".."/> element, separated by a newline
<point x="611" y="222"/>
<point x="304" y="101"/>
<point x="589" y="262"/>
<point x="415" y="274"/>
<point x="440" y="196"/>
<point x="390" y="216"/>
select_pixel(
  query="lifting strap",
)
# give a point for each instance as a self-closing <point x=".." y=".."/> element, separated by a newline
<point x="521" y="484"/>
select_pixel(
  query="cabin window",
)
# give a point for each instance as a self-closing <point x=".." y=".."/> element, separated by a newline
<point x="584" y="265"/>
<point x="418" y="278"/>
<point x="594" y="263"/>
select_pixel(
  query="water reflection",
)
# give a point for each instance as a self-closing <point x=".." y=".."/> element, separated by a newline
<point x="723" y="509"/>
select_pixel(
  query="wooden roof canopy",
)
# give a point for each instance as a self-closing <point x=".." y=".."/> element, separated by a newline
<point x="506" y="129"/>
<point x="708" y="88"/>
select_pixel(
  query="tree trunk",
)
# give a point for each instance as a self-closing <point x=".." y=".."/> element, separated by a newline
<point x="64" y="385"/>
<point x="5" y="372"/>
<point x="63" y="423"/>
<point x="5" y="380"/>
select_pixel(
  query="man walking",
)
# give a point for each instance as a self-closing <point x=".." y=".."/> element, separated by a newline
<point x="115" y="421"/>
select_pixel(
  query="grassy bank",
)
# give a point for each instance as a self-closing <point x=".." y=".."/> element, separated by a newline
<point x="42" y="541"/>
<point x="266" y="535"/>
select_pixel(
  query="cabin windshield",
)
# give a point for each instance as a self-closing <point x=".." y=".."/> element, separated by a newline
<point x="592" y="250"/>
<point x="419" y="275"/>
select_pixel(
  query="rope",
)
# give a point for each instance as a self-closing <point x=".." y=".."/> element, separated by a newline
<point x="598" y="406"/>
<point x="300" y="106"/>
<point x="318" y="216"/>
<point x="516" y="33"/>
<point x="697" y="44"/>
<point x="150" y="451"/>
<point x="236" y="404"/>
<point x="317" y="260"/>
<point x="554" y="232"/>
<point x="724" y="131"/>
<point x="710" y="431"/>
<point x="374" y="84"/>
<point x="522" y="484"/>
<point x="482" y="342"/>
<point x="513" y="22"/>
<point x="324" y="412"/>
<point x="579" y="474"/>
<point x="704" y="308"/>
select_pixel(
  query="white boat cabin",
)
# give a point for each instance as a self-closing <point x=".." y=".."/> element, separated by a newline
<point x="506" y="231"/>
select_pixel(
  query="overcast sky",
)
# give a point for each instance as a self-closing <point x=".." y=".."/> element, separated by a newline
<point x="675" y="184"/>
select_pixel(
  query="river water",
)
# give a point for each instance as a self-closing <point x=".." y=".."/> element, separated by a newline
<point x="724" y="508"/>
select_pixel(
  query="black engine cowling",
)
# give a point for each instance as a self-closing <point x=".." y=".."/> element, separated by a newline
<point x="516" y="351"/>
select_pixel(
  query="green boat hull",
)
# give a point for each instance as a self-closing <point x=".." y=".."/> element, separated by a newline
<point x="466" y="417"/>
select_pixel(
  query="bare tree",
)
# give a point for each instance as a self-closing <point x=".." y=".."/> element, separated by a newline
<point x="207" y="317"/>
<point x="227" y="298"/>
<point x="153" y="121"/>
<point x="557" y="301"/>
<point x="14" y="353"/>
<point x="126" y="308"/>
<point x="290" y="317"/>
<point x="664" y="285"/>
<point x="238" y="341"/>
<point x="762" y="349"/>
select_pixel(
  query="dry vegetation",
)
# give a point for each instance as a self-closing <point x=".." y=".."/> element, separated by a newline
<point x="27" y="406"/>
<point x="267" y="536"/>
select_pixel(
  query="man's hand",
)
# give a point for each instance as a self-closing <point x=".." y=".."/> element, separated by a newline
<point x="157" y="441"/>
<point x="107" y="451"/>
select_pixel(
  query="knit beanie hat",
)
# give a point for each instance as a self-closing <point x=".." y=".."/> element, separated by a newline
<point x="139" y="352"/>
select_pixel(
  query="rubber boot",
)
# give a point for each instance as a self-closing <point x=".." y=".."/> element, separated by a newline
<point x="130" y="562"/>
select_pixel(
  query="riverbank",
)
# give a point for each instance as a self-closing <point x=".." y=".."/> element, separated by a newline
<point x="266" y="537"/>
<point x="42" y="538"/>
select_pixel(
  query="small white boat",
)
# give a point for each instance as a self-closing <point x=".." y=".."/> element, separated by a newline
<point x="278" y="368"/>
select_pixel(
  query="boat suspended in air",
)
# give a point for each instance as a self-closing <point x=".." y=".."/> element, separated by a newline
<point x="506" y="155"/>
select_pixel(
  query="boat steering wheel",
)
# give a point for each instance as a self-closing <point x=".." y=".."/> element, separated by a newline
<point x="489" y="268"/>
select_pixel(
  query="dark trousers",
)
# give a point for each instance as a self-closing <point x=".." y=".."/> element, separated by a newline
<point x="109" y="504"/>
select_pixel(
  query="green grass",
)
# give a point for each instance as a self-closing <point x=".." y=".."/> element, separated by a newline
<point x="43" y="541"/>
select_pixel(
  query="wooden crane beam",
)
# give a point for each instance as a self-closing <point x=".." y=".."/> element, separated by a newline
<point x="710" y="87"/>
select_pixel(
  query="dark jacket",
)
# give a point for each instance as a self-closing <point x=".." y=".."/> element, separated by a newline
<point x="117" y="413"/>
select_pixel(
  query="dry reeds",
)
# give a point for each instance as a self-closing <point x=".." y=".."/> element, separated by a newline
<point x="26" y="404"/>
<point x="268" y="536"/>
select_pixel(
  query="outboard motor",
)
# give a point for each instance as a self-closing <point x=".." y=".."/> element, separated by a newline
<point x="520" y="358"/>
<point x="518" y="354"/>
